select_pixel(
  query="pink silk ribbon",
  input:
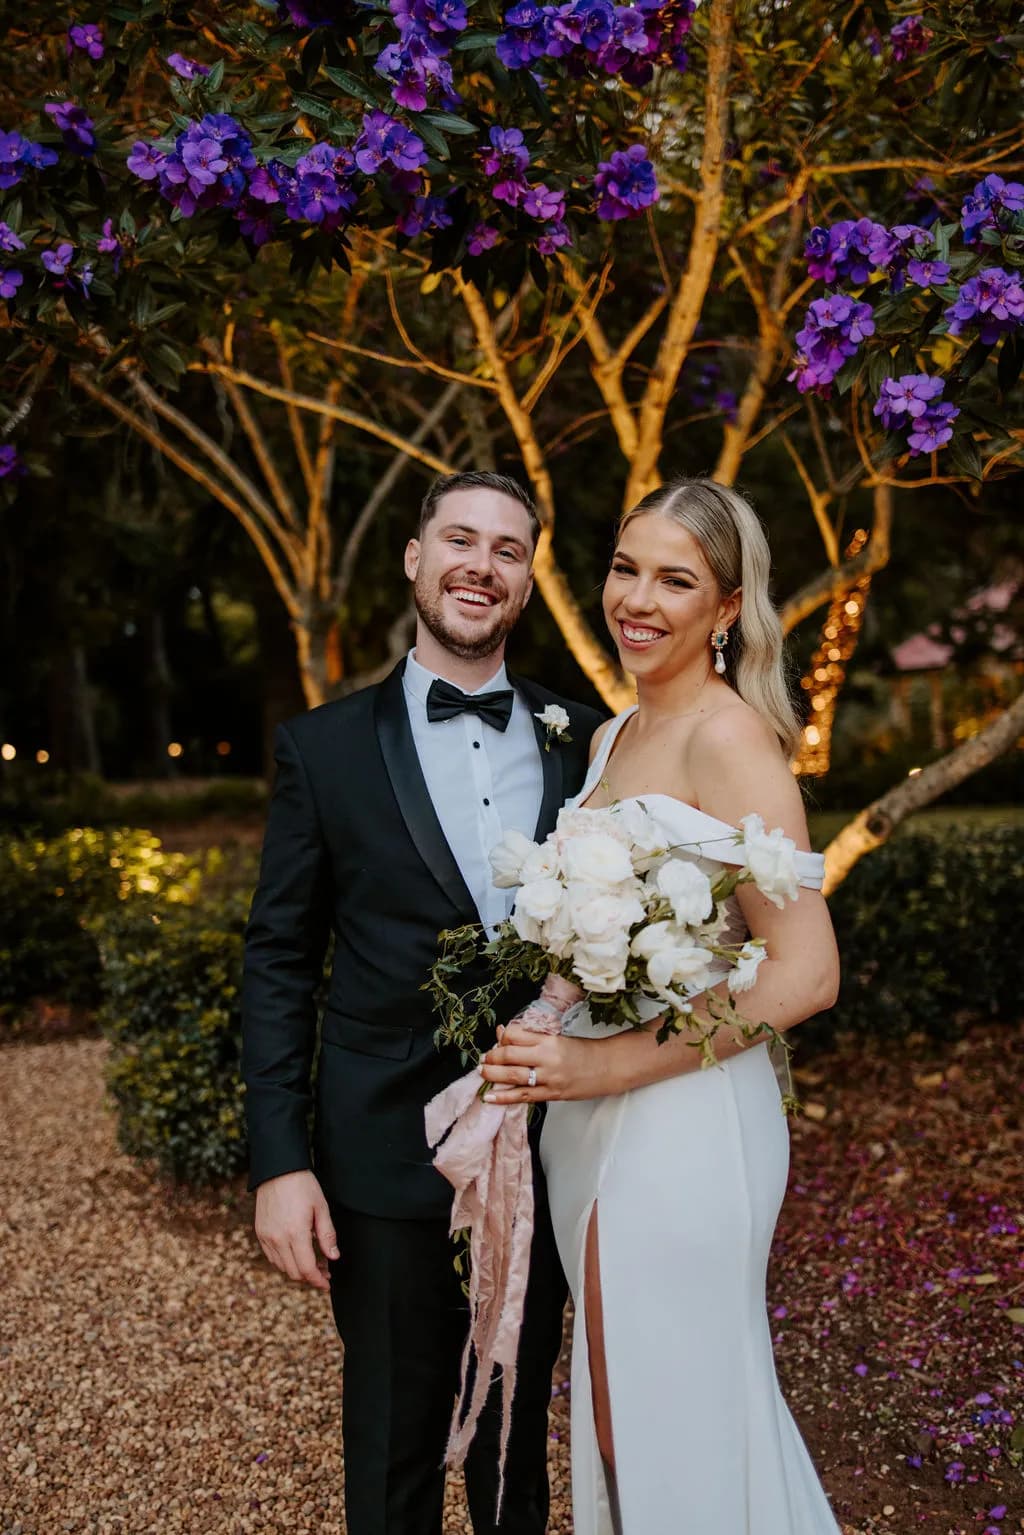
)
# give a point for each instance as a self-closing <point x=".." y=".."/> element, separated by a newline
<point x="486" y="1159"/>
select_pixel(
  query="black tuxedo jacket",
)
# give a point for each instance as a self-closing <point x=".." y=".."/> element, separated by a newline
<point x="353" y="843"/>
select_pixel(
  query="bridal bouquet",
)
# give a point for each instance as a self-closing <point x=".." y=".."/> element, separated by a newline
<point x="608" y="903"/>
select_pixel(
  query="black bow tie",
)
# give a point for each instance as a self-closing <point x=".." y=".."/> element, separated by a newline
<point x="444" y="702"/>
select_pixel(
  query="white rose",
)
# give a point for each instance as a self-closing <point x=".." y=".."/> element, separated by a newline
<point x="770" y="860"/>
<point x="601" y="966"/>
<point x="558" y="933"/>
<point x="647" y="840"/>
<point x="687" y="888"/>
<point x="601" y="915"/>
<point x="541" y="863"/>
<point x="540" y="899"/>
<point x="744" y="973"/>
<point x="597" y="859"/>
<point x="507" y="859"/>
<point x="555" y="718"/>
<point x="672" y="955"/>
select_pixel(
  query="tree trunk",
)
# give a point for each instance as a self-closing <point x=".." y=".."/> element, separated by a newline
<point x="158" y="697"/>
<point x="283" y="693"/>
<point x="875" y="824"/>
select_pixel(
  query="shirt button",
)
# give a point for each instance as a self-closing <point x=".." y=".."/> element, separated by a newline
<point x="476" y="745"/>
<point x="487" y="802"/>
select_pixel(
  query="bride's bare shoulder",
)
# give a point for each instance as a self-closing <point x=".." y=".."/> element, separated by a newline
<point x="598" y="736"/>
<point x="736" y="766"/>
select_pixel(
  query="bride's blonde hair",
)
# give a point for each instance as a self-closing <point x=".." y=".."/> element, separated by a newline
<point x="733" y="542"/>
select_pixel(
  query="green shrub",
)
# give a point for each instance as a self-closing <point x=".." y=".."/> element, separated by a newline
<point x="929" y="935"/>
<point x="53" y="887"/>
<point x="172" y="1013"/>
<point x="64" y="801"/>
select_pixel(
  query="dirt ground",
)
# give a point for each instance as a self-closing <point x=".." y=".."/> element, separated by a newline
<point x="156" y="1375"/>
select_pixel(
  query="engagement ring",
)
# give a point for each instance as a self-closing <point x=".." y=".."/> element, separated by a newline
<point x="531" y="1080"/>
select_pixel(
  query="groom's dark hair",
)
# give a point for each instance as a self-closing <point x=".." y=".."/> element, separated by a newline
<point x="478" y="479"/>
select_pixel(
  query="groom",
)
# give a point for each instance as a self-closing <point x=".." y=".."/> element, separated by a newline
<point x="385" y="806"/>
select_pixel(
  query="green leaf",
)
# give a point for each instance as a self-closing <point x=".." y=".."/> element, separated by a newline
<point x="964" y="456"/>
<point x="449" y="122"/>
<point x="312" y="105"/>
<point x="352" y="85"/>
<point x="879" y="368"/>
<point x="471" y="40"/>
<point x="430" y="136"/>
<point x="215" y="79"/>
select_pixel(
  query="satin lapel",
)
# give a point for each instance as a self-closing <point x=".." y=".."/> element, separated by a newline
<point x="399" y="751"/>
<point x="552" y="762"/>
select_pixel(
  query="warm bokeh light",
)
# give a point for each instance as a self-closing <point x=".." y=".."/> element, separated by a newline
<point x="223" y="748"/>
<point x="42" y="756"/>
<point x="812" y="735"/>
<point x="175" y="749"/>
<point x="913" y="772"/>
<point x="8" y="752"/>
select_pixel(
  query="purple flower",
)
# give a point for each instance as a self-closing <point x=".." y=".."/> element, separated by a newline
<point x="909" y="395"/>
<point x="10" y="461"/>
<point x="146" y="161"/>
<point x="266" y="183"/>
<point x="11" y="146"/>
<point x="625" y="184"/>
<point x="542" y="202"/>
<point x="88" y="38"/>
<point x="9" y="241"/>
<point x="108" y="241"/>
<point x="74" y="124"/>
<point x="982" y="208"/>
<point x="203" y="161"/>
<point x="422" y="214"/>
<point x="10" y="281"/>
<point x="925" y="273"/>
<point x="441" y="19"/>
<point x="552" y="238"/>
<point x="320" y="190"/>
<point x="313" y="13"/>
<point x="993" y="301"/>
<point x="38" y="156"/>
<point x="526" y="36"/>
<point x="417" y="72"/>
<point x="934" y="429"/>
<point x="507" y="158"/>
<point x="255" y="223"/>
<point x="384" y="140"/>
<point x="57" y="262"/>
<point x="482" y="237"/>
<point x="188" y="69"/>
<point x="955" y="1472"/>
<point x="586" y="24"/>
<point x="909" y="36"/>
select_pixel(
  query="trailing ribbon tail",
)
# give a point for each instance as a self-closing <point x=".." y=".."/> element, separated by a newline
<point x="485" y="1156"/>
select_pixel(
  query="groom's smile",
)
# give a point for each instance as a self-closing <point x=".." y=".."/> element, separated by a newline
<point x="470" y="570"/>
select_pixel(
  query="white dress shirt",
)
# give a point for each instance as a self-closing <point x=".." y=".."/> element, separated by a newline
<point x="483" y="782"/>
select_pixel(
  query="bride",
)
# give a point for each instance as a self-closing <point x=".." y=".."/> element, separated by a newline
<point x="665" y="1180"/>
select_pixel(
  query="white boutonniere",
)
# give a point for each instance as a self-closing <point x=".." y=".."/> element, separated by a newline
<point x="556" y="722"/>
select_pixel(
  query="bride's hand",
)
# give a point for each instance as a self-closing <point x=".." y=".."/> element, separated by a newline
<point x="565" y="1067"/>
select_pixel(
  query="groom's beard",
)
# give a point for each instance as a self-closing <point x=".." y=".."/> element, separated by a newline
<point x="430" y="607"/>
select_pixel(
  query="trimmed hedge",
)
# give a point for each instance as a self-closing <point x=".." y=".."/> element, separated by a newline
<point x="172" y="1014"/>
<point x="71" y="801"/>
<point x="53" y="888"/>
<point x="929" y="934"/>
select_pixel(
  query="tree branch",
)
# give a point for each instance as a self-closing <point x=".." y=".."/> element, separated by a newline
<point x="692" y="291"/>
<point x="298" y="431"/>
<point x="833" y="582"/>
<point x="875" y="824"/>
<point x="258" y="444"/>
<point x="189" y="466"/>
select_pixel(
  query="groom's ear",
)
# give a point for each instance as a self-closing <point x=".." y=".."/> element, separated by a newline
<point x="412" y="558"/>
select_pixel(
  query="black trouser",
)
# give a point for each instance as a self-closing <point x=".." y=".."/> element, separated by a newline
<point x="403" y="1319"/>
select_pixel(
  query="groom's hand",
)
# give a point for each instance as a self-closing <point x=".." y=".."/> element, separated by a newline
<point x="289" y="1210"/>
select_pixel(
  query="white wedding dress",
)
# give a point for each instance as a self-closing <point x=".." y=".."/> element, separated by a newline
<point x="687" y="1176"/>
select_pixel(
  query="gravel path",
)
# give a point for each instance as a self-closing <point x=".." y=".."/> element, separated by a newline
<point x="155" y="1373"/>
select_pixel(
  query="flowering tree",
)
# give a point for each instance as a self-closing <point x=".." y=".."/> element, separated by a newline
<point x="798" y="221"/>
